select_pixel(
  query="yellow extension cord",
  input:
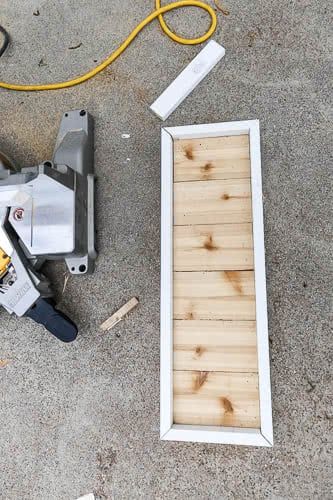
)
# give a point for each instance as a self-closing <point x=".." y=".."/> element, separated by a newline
<point x="157" y="13"/>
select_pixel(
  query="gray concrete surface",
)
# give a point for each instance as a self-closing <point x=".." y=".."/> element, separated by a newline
<point x="85" y="417"/>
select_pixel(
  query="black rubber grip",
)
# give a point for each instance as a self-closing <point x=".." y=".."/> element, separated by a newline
<point x="56" y="322"/>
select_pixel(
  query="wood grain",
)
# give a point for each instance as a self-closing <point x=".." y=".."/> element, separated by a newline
<point x="226" y="295"/>
<point x="216" y="398"/>
<point x="212" y="158"/>
<point x="213" y="247"/>
<point x="212" y="202"/>
<point x="215" y="346"/>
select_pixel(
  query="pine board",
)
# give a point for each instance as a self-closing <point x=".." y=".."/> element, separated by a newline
<point x="225" y="295"/>
<point x="216" y="398"/>
<point x="212" y="202"/>
<point x="213" y="247"/>
<point x="215" y="346"/>
<point x="212" y="158"/>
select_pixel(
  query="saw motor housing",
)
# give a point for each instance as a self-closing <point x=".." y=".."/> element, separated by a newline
<point x="47" y="213"/>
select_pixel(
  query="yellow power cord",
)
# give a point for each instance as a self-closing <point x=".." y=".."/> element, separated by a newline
<point x="158" y="13"/>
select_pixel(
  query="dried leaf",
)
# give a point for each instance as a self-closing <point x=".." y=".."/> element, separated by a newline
<point x="222" y="9"/>
<point x="4" y="362"/>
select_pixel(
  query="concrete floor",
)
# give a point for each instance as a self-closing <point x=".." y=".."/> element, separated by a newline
<point x="85" y="417"/>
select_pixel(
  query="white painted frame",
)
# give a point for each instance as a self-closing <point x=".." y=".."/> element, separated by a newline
<point x="213" y="434"/>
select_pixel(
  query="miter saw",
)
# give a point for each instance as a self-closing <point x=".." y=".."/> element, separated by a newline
<point x="47" y="213"/>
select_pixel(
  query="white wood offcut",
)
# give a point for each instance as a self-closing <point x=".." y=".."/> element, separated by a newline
<point x="188" y="79"/>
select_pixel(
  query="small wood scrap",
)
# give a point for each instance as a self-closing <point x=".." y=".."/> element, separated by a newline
<point x="4" y="363"/>
<point x="119" y="315"/>
<point x="67" y="276"/>
<point x="220" y="7"/>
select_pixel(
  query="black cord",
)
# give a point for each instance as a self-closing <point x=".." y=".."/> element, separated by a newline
<point x="5" y="41"/>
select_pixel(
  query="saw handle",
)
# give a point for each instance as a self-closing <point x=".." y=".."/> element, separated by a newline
<point x="56" y="322"/>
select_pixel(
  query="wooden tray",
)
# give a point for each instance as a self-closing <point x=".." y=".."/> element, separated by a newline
<point x="215" y="381"/>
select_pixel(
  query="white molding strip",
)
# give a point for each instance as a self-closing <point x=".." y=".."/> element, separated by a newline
<point x="205" y="434"/>
<point x="166" y="282"/>
<point x="260" y="284"/>
<point x="188" y="79"/>
<point x="219" y="435"/>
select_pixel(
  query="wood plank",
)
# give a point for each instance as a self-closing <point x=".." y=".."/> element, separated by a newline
<point x="212" y="158"/>
<point x="216" y="398"/>
<point x="215" y="346"/>
<point x="212" y="202"/>
<point x="213" y="247"/>
<point x="227" y="295"/>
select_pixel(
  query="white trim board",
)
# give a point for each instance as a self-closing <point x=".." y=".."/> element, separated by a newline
<point x="208" y="434"/>
<point x="188" y="79"/>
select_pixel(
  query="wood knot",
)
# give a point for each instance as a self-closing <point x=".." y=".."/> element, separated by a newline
<point x="189" y="315"/>
<point x="234" y="279"/>
<point x="189" y="152"/>
<point x="199" y="380"/>
<point x="207" y="168"/>
<point x="208" y="244"/>
<point x="206" y="171"/>
<point x="199" y="350"/>
<point x="226" y="404"/>
<point x="225" y="196"/>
